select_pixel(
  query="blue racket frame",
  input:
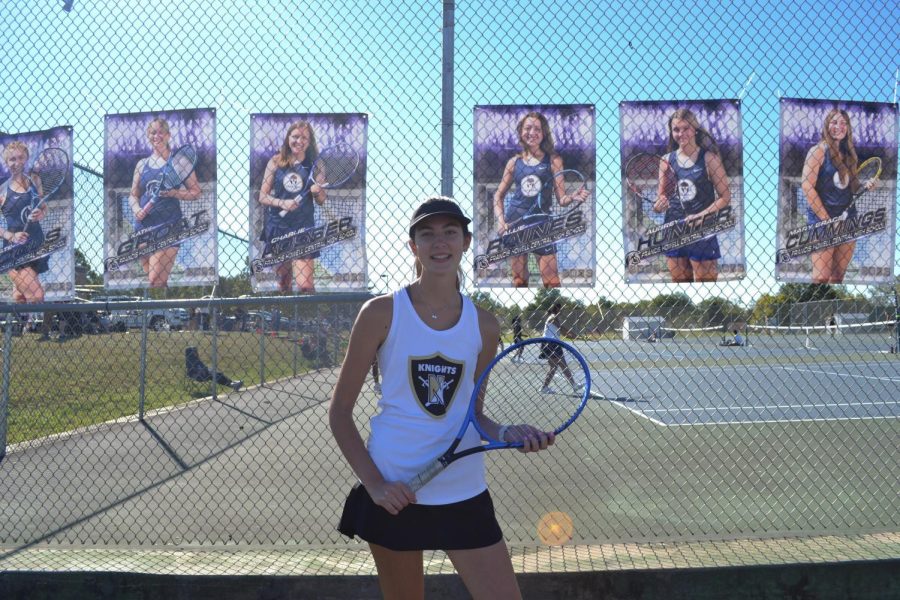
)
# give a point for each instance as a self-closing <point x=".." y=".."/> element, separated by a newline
<point x="438" y="465"/>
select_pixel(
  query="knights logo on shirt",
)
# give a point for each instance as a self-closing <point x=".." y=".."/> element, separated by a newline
<point x="434" y="381"/>
<point x="687" y="191"/>
<point x="292" y="182"/>
<point x="530" y="186"/>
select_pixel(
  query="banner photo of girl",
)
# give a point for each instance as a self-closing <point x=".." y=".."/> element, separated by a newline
<point x="837" y="192"/>
<point x="159" y="182"/>
<point x="534" y="171"/>
<point x="37" y="258"/>
<point x="308" y="202"/>
<point x="682" y="191"/>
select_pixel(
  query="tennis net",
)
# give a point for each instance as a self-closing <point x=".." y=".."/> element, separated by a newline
<point x="863" y="337"/>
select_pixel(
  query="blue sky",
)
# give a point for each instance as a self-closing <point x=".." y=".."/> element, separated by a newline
<point x="385" y="59"/>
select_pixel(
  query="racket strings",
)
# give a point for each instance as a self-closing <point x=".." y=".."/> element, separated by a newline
<point x="572" y="181"/>
<point x="868" y="171"/>
<point x="181" y="165"/>
<point x="335" y="168"/>
<point x="50" y="168"/>
<point x="518" y="391"/>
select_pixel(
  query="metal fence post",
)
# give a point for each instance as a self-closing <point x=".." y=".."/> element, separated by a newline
<point x="214" y="355"/>
<point x="4" y="392"/>
<point x="295" y="338"/>
<point x="142" y="383"/>
<point x="262" y="349"/>
<point x="447" y="100"/>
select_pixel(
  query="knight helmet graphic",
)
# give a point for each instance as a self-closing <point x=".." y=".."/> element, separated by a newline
<point x="434" y="380"/>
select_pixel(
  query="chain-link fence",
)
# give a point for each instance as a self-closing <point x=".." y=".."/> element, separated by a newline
<point x="196" y="416"/>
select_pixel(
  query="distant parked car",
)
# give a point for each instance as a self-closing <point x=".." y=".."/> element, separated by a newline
<point x="158" y="319"/>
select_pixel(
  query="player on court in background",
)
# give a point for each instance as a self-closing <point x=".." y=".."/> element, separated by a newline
<point x="426" y="327"/>
<point x="285" y="178"/>
<point x="517" y="336"/>
<point x="555" y="358"/>
<point x="702" y="189"/>
<point x="17" y="195"/>
<point x="167" y="207"/>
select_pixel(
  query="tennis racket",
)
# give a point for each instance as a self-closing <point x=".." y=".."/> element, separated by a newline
<point x="867" y="175"/>
<point x="648" y="177"/>
<point x="333" y="167"/>
<point x="572" y="185"/>
<point x="48" y="172"/>
<point x="176" y="170"/>
<point x="513" y="392"/>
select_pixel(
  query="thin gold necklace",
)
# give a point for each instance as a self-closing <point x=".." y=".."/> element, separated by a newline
<point x="430" y="308"/>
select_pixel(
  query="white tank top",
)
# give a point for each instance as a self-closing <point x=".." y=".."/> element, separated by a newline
<point x="427" y="382"/>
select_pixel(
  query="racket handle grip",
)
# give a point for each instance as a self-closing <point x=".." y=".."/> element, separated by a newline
<point x="425" y="475"/>
<point x="282" y="213"/>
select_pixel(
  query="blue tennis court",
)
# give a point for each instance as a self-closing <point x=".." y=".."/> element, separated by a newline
<point x="697" y="382"/>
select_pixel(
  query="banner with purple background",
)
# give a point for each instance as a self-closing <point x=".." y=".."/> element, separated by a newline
<point x="559" y="248"/>
<point x="326" y="252"/>
<point x="53" y="232"/>
<point x="137" y="255"/>
<point x="847" y="248"/>
<point x="647" y="235"/>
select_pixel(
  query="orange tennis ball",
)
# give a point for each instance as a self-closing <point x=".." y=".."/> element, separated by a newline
<point x="555" y="528"/>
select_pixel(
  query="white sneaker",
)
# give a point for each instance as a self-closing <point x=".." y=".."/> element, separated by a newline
<point x="547" y="390"/>
<point x="377" y="388"/>
<point x="578" y="388"/>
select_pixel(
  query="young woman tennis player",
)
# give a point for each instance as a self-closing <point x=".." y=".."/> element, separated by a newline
<point x="166" y="209"/>
<point x="532" y="171"/>
<point x="556" y="360"/>
<point x="829" y="182"/>
<point x="17" y="195"/>
<point x="284" y="180"/>
<point x="702" y="189"/>
<point x="432" y="343"/>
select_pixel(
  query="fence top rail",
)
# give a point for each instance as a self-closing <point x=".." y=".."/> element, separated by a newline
<point x="89" y="306"/>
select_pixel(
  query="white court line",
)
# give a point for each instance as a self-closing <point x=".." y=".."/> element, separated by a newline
<point x="767" y="421"/>
<point x="769" y="407"/>
<point x="897" y="380"/>
<point x="640" y="413"/>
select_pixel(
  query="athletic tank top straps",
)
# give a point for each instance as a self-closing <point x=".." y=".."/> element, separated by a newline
<point x="165" y="209"/>
<point x="533" y="191"/>
<point x="427" y="384"/>
<point x="833" y="191"/>
<point x="695" y="189"/>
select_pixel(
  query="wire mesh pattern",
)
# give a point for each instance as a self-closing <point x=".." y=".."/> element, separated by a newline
<point x="730" y="410"/>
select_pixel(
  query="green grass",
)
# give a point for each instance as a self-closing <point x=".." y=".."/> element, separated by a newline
<point x="57" y="387"/>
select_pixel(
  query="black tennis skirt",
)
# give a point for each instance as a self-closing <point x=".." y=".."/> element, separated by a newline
<point x="458" y="526"/>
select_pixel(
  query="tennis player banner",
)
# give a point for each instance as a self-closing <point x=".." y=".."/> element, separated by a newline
<point x="837" y="192"/>
<point x="37" y="258"/>
<point x="682" y="191"/>
<point x="307" y="201"/>
<point x="159" y="181"/>
<point x="534" y="182"/>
